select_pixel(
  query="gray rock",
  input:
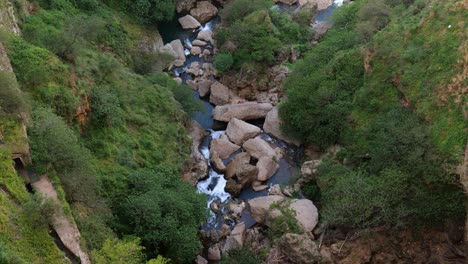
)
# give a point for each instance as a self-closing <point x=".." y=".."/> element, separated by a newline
<point x="214" y="254"/>
<point x="201" y="260"/>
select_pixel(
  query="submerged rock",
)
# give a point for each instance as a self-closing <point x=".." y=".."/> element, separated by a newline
<point x="243" y="111"/>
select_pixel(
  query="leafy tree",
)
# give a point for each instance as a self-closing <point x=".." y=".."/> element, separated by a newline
<point x="151" y="11"/>
<point x="182" y="93"/>
<point x="12" y="100"/>
<point x="223" y="62"/>
<point x="55" y="147"/>
<point x="164" y="212"/>
<point x="119" y="252"/>
<point x="238" y="9"/>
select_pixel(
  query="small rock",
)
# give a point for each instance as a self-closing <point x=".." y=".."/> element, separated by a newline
<point x="275" y="190"/>
<point x="236" y="163"/>
<point x="192" y="84"/>
<point x="214" y="206"/>
<point x="178" y="80"/>
<point x="206" y="53"/>
<point x="259" y="188"/>
<point x="198" y="42"/>
<point x="217" y="162"/>
<point x="179" y="51"/>
<point x="195" y="51"/>
<point x="236" y="209"/>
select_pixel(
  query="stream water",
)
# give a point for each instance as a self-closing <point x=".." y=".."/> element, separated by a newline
<point x="213" y="185"/>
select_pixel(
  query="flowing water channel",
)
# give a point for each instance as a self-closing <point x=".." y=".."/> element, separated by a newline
<point x="214" y="184"/>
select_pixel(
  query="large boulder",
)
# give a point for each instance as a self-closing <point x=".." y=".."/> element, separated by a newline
<point x="188" y="22"/>
<point x="272" y="126"/>
<point x="258" y="148"/>
<point x="195" y="69"/>
<point x="179" y="51"/>
<point x="204" y="87"/>
<point x="204" y="11"/>
<point x="219" y="94"/>
<point x="288" y="2"/>
<point x="306" y="214"/>
<point x="243" y="176"/>
<point x="244" y="111"/>
<point x="224" y="148"/>
<point x="205" y="35"/>
<point x="267" y="167"/>
<point x="321" y="4"/>
<point x="214" y="254"/>
<point x="236" y="238"/>
<point x="198" y="165"/>
<point x="259" y="207"/>
<point x="184" y="5"/>
<point x="234" y="165"/>
<point x="299" y="249"/>
<point x="239" y="131"/>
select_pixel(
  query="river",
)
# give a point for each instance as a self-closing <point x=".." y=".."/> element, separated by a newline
<point x="213" y="186"/>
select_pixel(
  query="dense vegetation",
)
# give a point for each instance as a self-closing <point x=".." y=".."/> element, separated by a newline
<point x="98" y="128"/>
<point x="253" y="33"/>
<point x="374" y="85"/>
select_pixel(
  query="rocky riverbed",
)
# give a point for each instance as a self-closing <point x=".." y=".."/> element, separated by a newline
<point x="239" y="154"/>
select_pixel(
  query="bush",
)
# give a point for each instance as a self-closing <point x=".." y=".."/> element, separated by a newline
<point x="119" y="252"/>
<point x="105" y="107"/>
<point x="242" y="255"/>
<point x="223" y="62"/>
<point x="238" y="9"/>
<point x="151" y="11"/>
<point x="164" y="212"/>
<point x="182" y="93"/>
<point x="12" y="100"/>
<point x="55" y="147"/>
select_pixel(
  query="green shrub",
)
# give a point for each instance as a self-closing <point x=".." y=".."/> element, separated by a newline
<point x="164" y="212"/>
<point x="12" y="100"/>
<point x="151" y="11"/>
<point x="242" y="255"/>
<point x="238" y="9"/>
<point x="223" y="62"/>
<point x="105" y="107"/>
